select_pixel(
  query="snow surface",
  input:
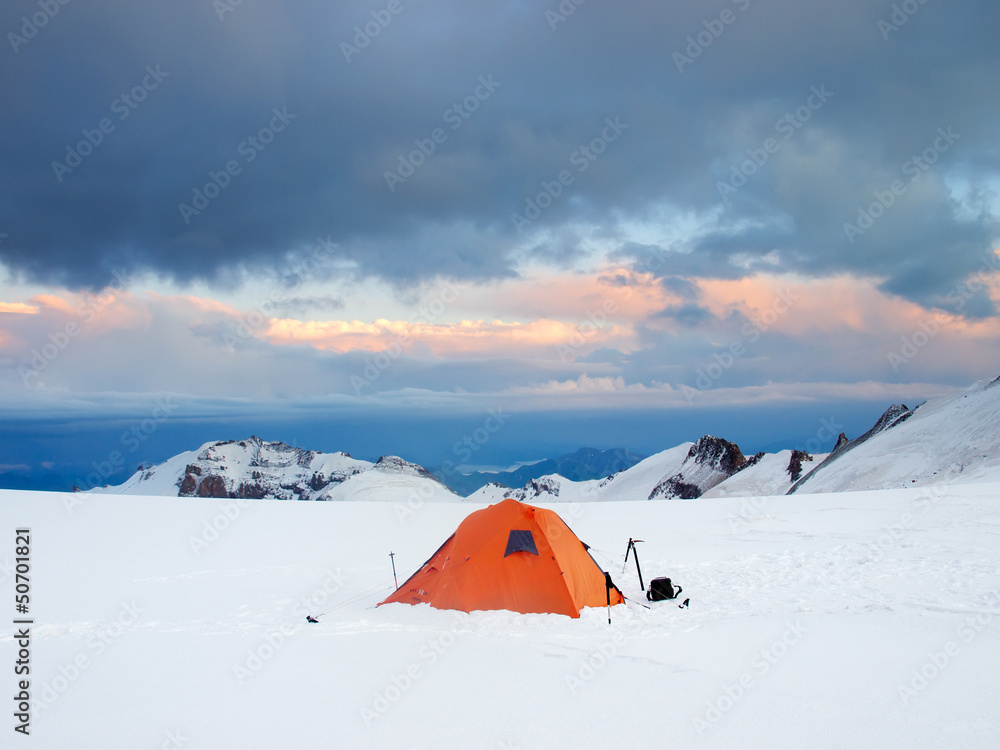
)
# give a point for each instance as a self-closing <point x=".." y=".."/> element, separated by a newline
<point x="808" y="613"/>
<point x="955" y="438"/>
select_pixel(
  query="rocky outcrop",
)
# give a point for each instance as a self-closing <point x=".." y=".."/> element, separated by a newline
<point x="795" y="464"/>
<point x="189" y="484"/>
<point x="675" y="487"/>
<point x="212" y="486"/>
<point x="255" y="468"/>
<point x="397" y="465"/>
<point x="709" y="461"/>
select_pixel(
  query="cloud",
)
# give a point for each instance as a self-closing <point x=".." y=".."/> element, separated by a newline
<point x="18" y="308"/>
<point x="270" y="184"/>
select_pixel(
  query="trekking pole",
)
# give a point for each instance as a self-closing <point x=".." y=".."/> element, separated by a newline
<point x="395" y="580"/>
<point x="607" y="588"/>
<point x="635" y="554"/>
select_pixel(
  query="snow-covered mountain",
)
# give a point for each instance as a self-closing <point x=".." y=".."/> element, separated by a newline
<point x="255" y="468"/>
<point x="686" y="471"/>
<point x="955" y="438"/>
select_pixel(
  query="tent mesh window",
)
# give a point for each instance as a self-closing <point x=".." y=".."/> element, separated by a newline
<point x="520" y="541"/>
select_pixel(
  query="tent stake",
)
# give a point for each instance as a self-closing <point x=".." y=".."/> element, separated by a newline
<point x="396" y="580"/>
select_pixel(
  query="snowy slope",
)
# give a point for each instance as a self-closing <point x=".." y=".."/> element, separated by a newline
<point x="255" y="468"/>
<point x="865" y="620"/>
<point x="769" y="476"/>
<point x="636" y="483"/>
<point x="391" y="479"/>
<point x="953" y="438"/>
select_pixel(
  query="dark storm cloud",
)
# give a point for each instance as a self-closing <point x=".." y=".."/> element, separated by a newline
<point x="478" y="109"/>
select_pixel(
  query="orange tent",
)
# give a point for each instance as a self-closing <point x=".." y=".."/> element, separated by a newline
<point x="510" y="556"/>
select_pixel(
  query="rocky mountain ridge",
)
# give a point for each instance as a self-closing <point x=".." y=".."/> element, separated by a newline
<point x="258" y="469"/>
<point x="954" y="438"/>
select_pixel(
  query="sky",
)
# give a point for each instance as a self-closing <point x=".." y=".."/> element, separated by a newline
<point x="380" y="227"/>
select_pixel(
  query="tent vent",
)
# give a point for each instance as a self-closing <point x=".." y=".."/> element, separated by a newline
<point x="520" y="541"/>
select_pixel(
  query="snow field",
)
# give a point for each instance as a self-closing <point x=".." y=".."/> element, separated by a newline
<point x="857" y="620"/>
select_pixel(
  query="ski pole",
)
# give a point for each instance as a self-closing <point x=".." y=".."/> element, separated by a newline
<point x="607" y="590"/>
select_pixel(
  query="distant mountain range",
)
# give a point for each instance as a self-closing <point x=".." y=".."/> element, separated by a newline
<point x="955" y="438"/>
<point x="586" y="463"/>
